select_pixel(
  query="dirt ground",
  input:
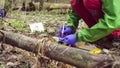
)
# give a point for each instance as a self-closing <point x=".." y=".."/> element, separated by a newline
<point x="18" y="22"/>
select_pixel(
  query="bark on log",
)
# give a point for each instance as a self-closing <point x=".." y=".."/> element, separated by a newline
<point x="69" y="55"/>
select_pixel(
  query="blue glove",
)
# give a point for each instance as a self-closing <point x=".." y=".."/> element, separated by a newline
<point x="64" y="31"/>
<point x="69" y="40"/>
<point x="2" y="12"/>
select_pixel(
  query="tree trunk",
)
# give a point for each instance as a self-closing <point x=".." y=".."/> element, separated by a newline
<point x="8" y="5"/>
<point x="41" y="3"/>
<point x="69" y="55"/>
<point x="2" y="3"/>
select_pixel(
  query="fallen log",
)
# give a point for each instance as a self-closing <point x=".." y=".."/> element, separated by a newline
<point x="69" y="55"/>
<point x="56" y="6"/>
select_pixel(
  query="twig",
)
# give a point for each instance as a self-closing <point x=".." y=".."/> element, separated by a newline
<point x="3" y="39"/>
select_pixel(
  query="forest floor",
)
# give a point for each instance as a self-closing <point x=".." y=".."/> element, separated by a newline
<point x="18" y="22"/>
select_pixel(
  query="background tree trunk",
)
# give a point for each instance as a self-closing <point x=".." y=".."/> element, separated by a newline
<point x="41" y="3"/>
<point x="8" y="5"/>
<point x="2" y="3"/>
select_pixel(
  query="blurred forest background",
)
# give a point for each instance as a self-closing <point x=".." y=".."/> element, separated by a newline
<point x="51" y="13"/>
<point x="30" y="5"/>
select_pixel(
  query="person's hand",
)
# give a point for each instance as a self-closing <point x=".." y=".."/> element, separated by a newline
<point x="2" y="12"/>
<point x="69" y="40"/>
<point x="64" y="31"/>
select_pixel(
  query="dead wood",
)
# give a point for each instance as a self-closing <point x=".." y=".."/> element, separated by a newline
<point x="69" y="55"/>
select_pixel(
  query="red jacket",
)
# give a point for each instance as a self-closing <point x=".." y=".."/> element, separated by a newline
<point x="91" y="11"/>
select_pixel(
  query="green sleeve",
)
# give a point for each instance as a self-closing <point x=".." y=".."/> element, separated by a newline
<point x="105" y="25"/>
<point x="73" y="20"/>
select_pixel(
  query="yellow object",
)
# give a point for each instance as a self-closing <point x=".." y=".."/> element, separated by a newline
<point x="95" y="51"/>
<point x="92" y="49"/>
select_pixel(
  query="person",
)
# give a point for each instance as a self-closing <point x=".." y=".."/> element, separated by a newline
<point x="101" y="16"/>
<point x="3" y="12"/>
